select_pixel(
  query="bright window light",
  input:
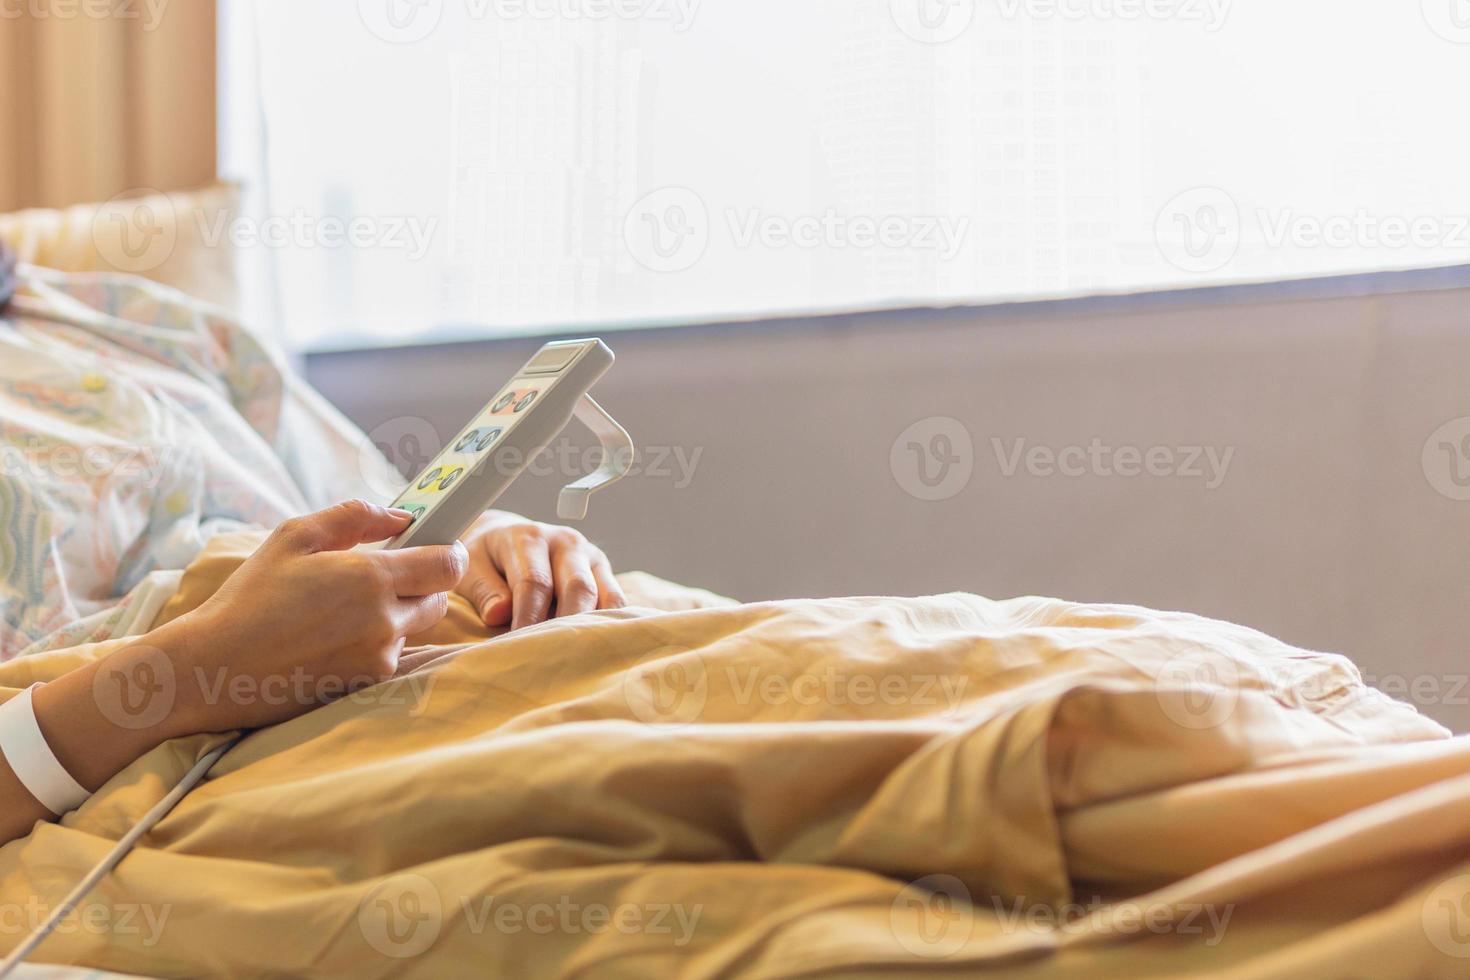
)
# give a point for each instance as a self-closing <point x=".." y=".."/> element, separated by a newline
<point x="482" y="167"/>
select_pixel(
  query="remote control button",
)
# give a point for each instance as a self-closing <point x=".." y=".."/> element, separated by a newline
<point x="490" y="435"/>
<point x="503" y="402"/>
<point x="525" y="402"/>
<point x="477" y="440"/>
<point x="451" y="477"/>
<point x="430" y="477"/>
<point x="417" y="510"/>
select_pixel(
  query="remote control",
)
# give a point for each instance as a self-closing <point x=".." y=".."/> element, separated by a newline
<point x="499" y="443"/>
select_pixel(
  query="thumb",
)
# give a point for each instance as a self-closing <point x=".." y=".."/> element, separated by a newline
<point x="347" y="524"/>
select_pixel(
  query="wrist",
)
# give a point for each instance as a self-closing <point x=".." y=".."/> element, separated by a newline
<point x="169" y="659"/>
<point x="98" y="719"/>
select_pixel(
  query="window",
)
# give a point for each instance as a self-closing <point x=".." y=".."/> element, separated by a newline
<point x="479" y="167"/>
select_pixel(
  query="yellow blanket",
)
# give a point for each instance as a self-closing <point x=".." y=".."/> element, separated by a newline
<point x="806" y="788"/>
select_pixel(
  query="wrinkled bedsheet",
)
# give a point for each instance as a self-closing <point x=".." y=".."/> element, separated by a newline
<point x="809" y="788"/>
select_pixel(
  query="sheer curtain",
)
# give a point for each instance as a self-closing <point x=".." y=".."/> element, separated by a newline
<point x="453" y="168"/>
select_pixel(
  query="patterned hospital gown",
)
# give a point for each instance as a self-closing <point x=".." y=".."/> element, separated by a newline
<point x="134" y="424"/>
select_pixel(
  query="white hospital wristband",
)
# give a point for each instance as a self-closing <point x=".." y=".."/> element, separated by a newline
<point x="32" y="760"/>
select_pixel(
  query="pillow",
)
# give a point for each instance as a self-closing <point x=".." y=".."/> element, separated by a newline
<point x="179" y="239"/>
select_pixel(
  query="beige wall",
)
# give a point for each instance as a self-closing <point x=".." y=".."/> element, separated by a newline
<point x="91" y="106"/>
<point x="1326" y="530"/>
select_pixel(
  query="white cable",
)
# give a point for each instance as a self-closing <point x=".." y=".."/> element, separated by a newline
<point x="114" y="857"/>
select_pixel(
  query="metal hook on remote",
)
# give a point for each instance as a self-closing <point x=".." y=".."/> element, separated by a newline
<point x="617" y="458"/>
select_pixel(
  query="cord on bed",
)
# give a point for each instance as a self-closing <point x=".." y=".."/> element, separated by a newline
<point x="107" y="864"/>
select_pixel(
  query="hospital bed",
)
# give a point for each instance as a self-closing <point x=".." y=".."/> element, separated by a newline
<point x="689" y="786"/>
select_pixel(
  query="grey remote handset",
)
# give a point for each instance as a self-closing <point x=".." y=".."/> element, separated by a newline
<point x="500" y="441"/>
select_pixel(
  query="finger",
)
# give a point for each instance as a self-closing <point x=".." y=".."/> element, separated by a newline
<point x="576" y="589"/>
<point x="343" y="526"/>
<point x="526" y="562"/>
<point x="609" y="592"/>
<point x="425" y="570"/>
<point x="486" y="589"/>
<point x="421" y="614"/>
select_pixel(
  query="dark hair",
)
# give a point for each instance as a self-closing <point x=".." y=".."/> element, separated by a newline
<point x="7" y="275"/>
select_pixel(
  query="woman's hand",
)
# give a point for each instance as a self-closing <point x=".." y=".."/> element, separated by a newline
<point x="302" y="621"/>
<point x="311" y="620"/>
<point x="519" y="569"/>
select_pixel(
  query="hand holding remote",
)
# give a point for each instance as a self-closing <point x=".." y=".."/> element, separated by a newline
<point x="305" y="606"/>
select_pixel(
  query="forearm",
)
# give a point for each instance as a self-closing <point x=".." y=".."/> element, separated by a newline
<point x="92" y="720"/>
<point x="302" y="622"/>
